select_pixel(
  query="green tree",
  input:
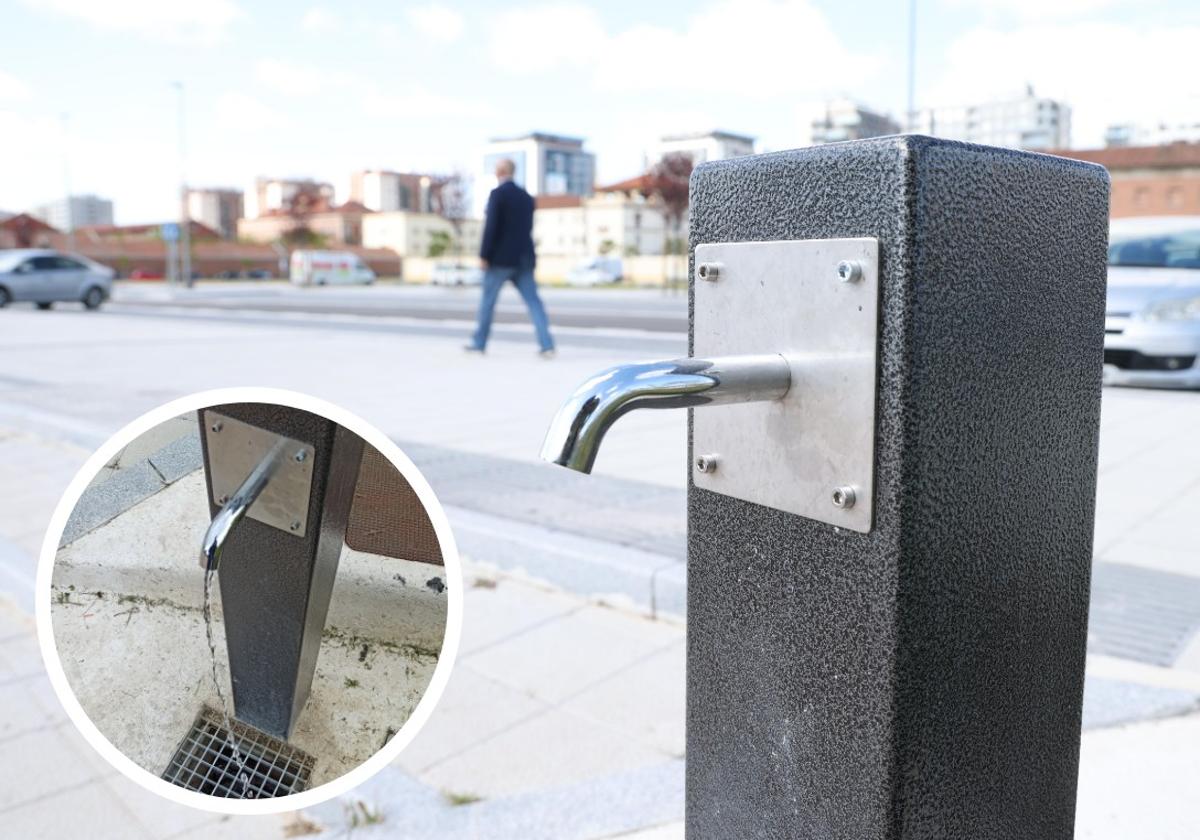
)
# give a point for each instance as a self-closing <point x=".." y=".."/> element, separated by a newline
<point x="439" y="243"/>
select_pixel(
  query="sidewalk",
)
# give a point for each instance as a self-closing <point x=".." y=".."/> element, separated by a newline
<point x="558" y="700"/>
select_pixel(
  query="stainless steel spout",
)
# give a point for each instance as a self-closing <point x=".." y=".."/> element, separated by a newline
<point x="234" y="508"/>
<point x="580" y="425"/>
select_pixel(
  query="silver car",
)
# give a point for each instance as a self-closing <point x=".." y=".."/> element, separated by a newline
<point x="47" y="277"/>
<point x="1152" y="328"/>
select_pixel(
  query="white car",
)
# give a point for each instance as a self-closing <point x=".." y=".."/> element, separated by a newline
<point x="1152" y="328"/>
<point x="456" y="274"/>
<point x="321" y="268"/>
<point x="47" y="277"/>
<point x="596" y="271"/>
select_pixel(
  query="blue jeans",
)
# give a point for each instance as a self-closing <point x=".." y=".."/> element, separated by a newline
<point x="522" y="278"/>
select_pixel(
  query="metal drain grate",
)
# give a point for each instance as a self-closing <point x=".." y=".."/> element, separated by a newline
<point x="1142" y="614"/>
<point x="204" y="761"/>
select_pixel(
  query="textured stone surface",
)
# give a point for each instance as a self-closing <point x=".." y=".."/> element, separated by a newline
<point x="922" y="680"/>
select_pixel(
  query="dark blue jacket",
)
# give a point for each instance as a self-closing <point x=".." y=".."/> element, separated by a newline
<point x="508" y="228"/>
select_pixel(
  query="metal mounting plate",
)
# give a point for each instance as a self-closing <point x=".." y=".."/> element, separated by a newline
<point x="235" y="448"/>
<point x="786" y="297"/>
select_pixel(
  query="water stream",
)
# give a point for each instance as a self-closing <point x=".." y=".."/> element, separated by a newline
<point x="230" y="738"/>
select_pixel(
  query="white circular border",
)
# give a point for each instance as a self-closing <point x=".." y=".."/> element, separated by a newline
<point x="441" y="673"/>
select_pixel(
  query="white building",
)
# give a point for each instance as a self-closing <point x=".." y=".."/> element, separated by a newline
<point x="267" y="194"/>
<point x="1162" y="134"/>
<point x="616" y="222"/>
<point x="844" y="119"/>
<point x="217" y="208"/>
<point x="411" y="234"/>
<point x="545" y="164"/>
<point x="77" y="211"/>
<point x="702" y="146"/>
<point x="386" y="191"/>
<point x="1026" y="122"/>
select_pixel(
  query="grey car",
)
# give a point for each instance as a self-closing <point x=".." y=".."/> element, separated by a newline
<point x="46" y="277"/>
<point x="1152" y="328"/>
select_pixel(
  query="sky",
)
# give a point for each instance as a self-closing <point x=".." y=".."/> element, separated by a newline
<point x="90" y="92"/>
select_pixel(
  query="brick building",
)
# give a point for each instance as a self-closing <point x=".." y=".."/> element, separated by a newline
<point x="1149" y="180"/>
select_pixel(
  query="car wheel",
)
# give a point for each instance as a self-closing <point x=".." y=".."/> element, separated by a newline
<point x="5" y="297"/>
<point x="44" y="305"/>
<point x="93" y="298"/>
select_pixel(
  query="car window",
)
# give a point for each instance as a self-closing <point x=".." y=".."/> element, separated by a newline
<point x="68" y="264"/>
<point x="1180" y="249"/>
<point x="44" y="263"/>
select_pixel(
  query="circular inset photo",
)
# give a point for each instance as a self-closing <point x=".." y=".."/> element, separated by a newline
<point x="249" y="601"/>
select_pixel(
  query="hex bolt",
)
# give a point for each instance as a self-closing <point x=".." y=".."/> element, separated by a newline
<point x="217" y="426"/>
<point x="710" y="271"/>
<point x="843" y="497"/>
<point x="296" y="525"/>
<point x="849" y="271"/>
<point x="707" y="463"/>
<point x="301" y="456"/>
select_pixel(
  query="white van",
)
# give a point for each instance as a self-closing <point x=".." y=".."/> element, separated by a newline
<point x="319" y="268"/>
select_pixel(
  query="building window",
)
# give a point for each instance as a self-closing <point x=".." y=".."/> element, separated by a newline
<point x="1175" y="197"/>
<point x="1141" y="196"/>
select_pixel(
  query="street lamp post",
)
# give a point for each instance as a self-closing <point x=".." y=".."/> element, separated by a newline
<point x="185" y="234"/>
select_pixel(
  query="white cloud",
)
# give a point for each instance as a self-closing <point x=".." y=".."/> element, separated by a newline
<point x="197" y="20"/>
<point x="12" y="88"/>
<point x="241" y="111"/>
<point x="1114" y="73"/>
<point x="437" y="22"/>
<point x="318" y="19"/>
<point x="1038" y="9"/>
<point x="292" y="79"/>
<point x="751" y="48"/>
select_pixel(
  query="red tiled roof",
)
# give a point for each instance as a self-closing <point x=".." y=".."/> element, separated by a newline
<point x="635" y="184"/>
<point x="1169" y="156"/>
<point x="553" y="202"/>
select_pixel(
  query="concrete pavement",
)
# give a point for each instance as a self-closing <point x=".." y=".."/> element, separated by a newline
<point x="554" y="730"/>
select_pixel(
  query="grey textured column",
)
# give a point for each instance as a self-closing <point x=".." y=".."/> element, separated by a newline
<point x="923" y="680"/>
<point x="276" y="586"/>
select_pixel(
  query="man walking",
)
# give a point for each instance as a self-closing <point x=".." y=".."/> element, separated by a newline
<point x="507" y="254"/>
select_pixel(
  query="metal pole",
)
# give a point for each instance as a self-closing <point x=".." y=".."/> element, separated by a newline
<point x="277" y="569"/>
<point x="185" y="235"/>
<point x="67" y="181"/>
<point x="912" y="65"/>
<point x="922" y="676"/>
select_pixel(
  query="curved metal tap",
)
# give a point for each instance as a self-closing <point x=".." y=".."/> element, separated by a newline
<point x="233" y="510"/>
<point x="580" y="425"/>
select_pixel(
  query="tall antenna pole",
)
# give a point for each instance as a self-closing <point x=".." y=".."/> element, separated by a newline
<point x="185" y="233"/>
<point x="912" y="65"/>
<point x="66" y="145"/>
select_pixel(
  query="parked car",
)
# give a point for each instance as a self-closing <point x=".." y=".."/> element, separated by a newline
<point x="597" y="271"/>
<point x="1152" y="324"/>
<point x="145" y="274"/>
<point x="47" y="277"/>
<point x="262" y="274"/>
<point x="449" y="273"/>
<point x="320" y="268"/>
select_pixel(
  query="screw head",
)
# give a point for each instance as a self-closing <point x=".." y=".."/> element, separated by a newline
<point x="295" y="526"/>
<point x="222" y="500"/>
<point x="843" y="497"/>
<point x="706" y="463"/>
<point x="710" y="271"/>
<point x="849" y="271"/>
<point x="300" y="456"/>
<point x="217" y="426"/>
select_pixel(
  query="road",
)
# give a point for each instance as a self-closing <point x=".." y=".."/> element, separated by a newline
<point x="607" y="308"/>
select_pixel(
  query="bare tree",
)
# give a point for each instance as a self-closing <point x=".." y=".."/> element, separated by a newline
<point x="306" y="200"/>
<point x="450" y="201"/>
<point x="667" y="181"/>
